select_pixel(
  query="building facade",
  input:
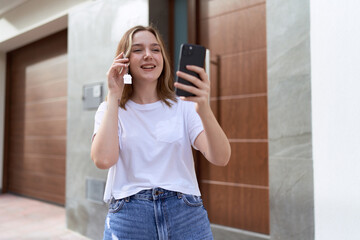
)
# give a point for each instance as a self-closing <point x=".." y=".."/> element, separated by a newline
<point x="270" y="63"/>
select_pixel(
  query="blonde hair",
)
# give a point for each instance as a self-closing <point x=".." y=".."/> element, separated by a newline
<point x="165" y="85"/>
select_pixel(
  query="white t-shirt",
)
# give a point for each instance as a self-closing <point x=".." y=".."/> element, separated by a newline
<point x="155" y="148"/>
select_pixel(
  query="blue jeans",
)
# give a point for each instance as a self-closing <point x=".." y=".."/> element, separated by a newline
<point x="157" y="214"/>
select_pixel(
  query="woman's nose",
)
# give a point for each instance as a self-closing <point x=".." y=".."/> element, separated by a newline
<point x="147" y="54"/>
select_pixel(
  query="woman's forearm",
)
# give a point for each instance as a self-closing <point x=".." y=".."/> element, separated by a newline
<point x="217" y="147"/>
<point x="213" y="142"/>
<point x="105" y="145"/>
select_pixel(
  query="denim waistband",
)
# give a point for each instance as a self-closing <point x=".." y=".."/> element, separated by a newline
<point x="153" y="194"/>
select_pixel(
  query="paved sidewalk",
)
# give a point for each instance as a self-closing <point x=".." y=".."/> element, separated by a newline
<point x="24" y="218"/>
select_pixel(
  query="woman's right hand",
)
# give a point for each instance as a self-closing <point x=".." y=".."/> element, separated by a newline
<point x="115" y="75"/>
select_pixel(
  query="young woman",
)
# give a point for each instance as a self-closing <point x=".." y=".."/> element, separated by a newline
<point x="143" y="134"/>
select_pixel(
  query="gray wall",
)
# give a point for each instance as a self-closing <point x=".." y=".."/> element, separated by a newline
<point x="93" y="33"/>
<point x="289" y="120"/>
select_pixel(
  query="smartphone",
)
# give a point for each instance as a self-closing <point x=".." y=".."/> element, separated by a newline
<point x="190" y="54"/>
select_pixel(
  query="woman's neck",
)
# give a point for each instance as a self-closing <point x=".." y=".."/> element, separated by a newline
<point x="144" y="93"/>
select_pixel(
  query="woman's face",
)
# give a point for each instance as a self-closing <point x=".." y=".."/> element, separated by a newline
<point x="146" y="60"/>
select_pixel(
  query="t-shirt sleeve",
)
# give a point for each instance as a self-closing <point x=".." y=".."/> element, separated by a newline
<point x="98" y="117"/>
<point x="195" y="126"/>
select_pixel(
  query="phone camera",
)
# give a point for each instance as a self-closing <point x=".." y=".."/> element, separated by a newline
<point x="188" y="51"/>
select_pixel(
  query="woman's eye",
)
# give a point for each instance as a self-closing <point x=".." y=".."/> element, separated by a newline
<point x="156" y="50"/>
<point x="136" y="50"/>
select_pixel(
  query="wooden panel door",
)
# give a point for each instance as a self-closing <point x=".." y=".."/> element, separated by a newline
<point x="36" y="104"/>
<point x="235" y="32"/>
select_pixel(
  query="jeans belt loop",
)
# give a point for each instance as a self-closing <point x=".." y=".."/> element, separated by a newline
<point x="179" y="195"/>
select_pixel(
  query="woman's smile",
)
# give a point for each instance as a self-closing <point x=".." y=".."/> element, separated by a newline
<point x="148" y="67"/>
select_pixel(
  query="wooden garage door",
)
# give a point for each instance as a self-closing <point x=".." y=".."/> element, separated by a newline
<point x="235" y="31"/>
<point x="36" y="103"/>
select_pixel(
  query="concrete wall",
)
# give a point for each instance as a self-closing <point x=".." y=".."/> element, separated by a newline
<point x="289" y="120"/>
<point x="93" y="34"/>
<point x="335" y="83"/>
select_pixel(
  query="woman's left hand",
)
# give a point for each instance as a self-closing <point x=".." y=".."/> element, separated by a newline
<point x="202" y="89"/>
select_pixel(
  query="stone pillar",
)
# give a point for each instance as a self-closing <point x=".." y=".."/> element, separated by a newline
<point x="289" y="120"/>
